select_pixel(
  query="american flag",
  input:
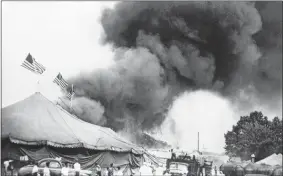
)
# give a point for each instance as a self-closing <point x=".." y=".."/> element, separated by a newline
<point x="60" y="81"/>
<point x="30" y="64"/>
<point x="71" y="93"/>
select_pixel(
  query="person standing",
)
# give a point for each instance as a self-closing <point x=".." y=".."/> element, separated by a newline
<point x="105" y="172"/>
<point x="153" y="170"/>
<point x="97" y="169"/>
<point x="173" y="154"/>
<point x="46" y="171"/>
<point x="65" y="170"/>
<point x="35" y="169"/>
<point x="77" y="167"/>
<point x="7" y="166"/>
<point x="118" y="172"/>
<point x="111" y="170"/>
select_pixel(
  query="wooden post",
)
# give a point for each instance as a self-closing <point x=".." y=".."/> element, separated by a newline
<point x="198" y="141"/>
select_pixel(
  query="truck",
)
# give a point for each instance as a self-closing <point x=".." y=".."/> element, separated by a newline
<point x="182" y="166"/>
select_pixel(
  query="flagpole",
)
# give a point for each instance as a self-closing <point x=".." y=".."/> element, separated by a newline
<point x="38" y="82"/>
<point x="38" y="87"/>
<point x="198" y="141"/>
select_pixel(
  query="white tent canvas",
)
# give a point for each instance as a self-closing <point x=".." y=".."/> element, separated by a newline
<point x="273" y="159"/>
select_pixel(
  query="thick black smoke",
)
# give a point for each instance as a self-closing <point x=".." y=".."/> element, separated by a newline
<point x="263" y="79"/>
<point x="165" y="48"/>
<point x="131" y="92"/>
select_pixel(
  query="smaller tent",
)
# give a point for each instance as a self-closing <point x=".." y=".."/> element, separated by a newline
<point x="272" y="160"/>
<point x="261" y="169"/>
<point x="251" y="168"/>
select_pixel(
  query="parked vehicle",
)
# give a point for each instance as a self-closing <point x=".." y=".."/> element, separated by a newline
<point x="55" y="168"/>
<point x="182" y="167"/>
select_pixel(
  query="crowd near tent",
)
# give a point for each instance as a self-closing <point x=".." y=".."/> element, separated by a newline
<point x="37" y="128"/>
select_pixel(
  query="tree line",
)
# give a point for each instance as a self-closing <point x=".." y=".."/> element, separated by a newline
<point x="254" y="134"/>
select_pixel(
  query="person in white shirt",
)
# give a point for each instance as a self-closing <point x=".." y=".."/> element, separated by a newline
<point x="6" y="165"/>
<point x="118" y="172"/>
<point x="105" y="172"/>
<point x="145" y="169"/>
<point x="65" y="170"/>
<point x="34" y="169"/>
<point x="46" y="171"/>
<point x="97" y="169"/>
<point x="153" y="169"/>
<point x="77" y="167"/>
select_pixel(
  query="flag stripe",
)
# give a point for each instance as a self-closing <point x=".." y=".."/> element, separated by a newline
<point x="40" y="66"/>
<point x="64" y="82"/>
<point x="60" y="83"/>
<point x="30" y="68"/>
<point x="28" y="65"/>
<point x="70" y="95"/>
<point x="37" y="67"/>
<point x="63" y="86"/>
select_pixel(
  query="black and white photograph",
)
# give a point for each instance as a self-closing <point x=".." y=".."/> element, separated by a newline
<point x="141" y="88"/>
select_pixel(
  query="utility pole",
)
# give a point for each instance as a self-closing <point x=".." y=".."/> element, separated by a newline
<point x="198" y="141"/>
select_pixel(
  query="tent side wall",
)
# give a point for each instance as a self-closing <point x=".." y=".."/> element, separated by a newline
<point x="86" y="157"/>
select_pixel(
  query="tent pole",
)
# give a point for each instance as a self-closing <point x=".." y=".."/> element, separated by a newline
<point x="38" y="86"/>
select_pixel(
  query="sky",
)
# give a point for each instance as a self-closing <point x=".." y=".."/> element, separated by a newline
<point x="62" y="36"/>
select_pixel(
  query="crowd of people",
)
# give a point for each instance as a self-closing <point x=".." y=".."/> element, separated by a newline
<point x="109" y="171"/>
<point x="66" y="166"/>
<point x="96" y="170"/>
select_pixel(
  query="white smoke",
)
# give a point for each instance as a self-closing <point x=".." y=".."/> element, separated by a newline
<point x="201" y="111"/>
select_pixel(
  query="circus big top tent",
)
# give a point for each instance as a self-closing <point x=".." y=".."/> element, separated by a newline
<point x="37" y="128"/>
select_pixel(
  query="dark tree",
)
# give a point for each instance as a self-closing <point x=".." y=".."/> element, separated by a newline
<point x="254" y="134"/>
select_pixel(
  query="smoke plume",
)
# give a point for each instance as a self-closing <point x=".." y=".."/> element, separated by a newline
<point x="201" y="111"/>
<point x="163" y="49"/>
<point x="88" y="110"/>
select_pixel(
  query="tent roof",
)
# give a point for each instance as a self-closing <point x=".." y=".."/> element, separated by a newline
<point x="272" y="160"/>
<point x="36" y="120"/>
